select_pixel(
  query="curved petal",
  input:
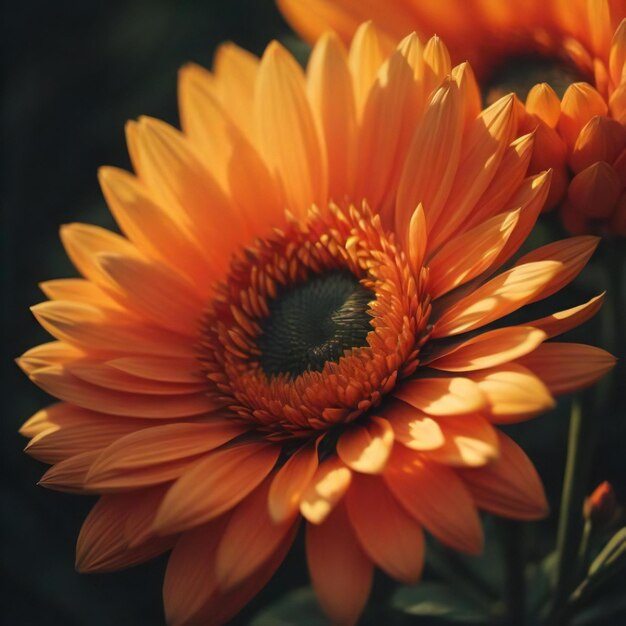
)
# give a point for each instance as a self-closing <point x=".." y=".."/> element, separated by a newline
<point x="366" y="447"/>
<point x="510" y="486"/>
<point x="436" y="498"/>
<point x="340" y="571"/>
<point x="387" y="534"/>
<point x="442" y="396"/>
<point x="214" y="485"/>
<point x="327" y="487"/>
<point x="250" y="539"/>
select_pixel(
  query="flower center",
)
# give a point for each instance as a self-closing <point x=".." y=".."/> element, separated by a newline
<point x="314" y="322"/>
<point x="520" y="73"/>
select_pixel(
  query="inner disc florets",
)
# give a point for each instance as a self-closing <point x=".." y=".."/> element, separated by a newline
<point x="313" y="323"/>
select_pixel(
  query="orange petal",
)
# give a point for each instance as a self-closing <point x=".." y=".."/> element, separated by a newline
<point x="55" y="416"/>
<point x="572" y="254"/>
<point x="579" y="104"/>
<point x="510" y="486"/>
<point x="236" y="70"/>
<point x="340" y="571"/>
<point x="392" y="99"/>
<point x="332" y="100"/>
<point x="190" y="575"/>
<point x="89" y="327"/>
<point x="163" y="369"/>
<point x="214" y="485"/>
<point x="431" y="163"/>
<point x="287" y="132"/>
<point x="617" y="58"/>
<point x="543" y="102"/>
<point x="436" y="498"/>
<point x="250" y="539"/>
<point x="327" y="487"/>
<point x="154" y="291"/>
<point x="83" y="241"/>
<point x="173" y="171"/>
<point x="79" y="290"/>
<point x="102" y="546"/>
<point x="366" y="447"/>
<point x="51" y="353"/>
<point x="290" y="482"/>
<point x="103" y="375"/>
<point x="595" y="190"/>
<point x="417" y="239"/>
<point x="158" y="454"/>
<point x="149" y="226"/>
<point x="562" y="321"/>
<point x="60" y="383"/>
<point x="498" y="297"/>
<point x="566" y="367"/>
<point x="69" y="475"/>
<point x="481" y="154"/>
<point x="413" y="428"/>
<point x="601" y="139"/>
<point x="387" y="534"/>
<point x="489" y="349"/>
<point x="468" y="255"/>
<point x="61" y="442"/>
<point x="506" y="181"/>
<point x="441" y="396"/>
<point x="513" y="392"/>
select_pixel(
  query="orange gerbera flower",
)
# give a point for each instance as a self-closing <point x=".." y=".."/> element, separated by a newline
<point x="294" y="326"/>
<point x="538" y="49"/>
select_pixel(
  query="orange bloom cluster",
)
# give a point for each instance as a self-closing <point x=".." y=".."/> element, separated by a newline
<point x="305" y="322"/>
<point x="576" y="48"/>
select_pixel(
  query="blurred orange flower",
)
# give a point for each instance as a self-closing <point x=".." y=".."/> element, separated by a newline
<point x="564" y="58"/>
<point x="294" y="326"/>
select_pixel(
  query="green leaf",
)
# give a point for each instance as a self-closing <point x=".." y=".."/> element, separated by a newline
<point x="437" y="600"/>
<point x="612" y="555"/>
<point x="296" y="608"/>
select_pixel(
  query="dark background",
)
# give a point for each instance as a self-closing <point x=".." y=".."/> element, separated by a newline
<point x="73" y="73"/>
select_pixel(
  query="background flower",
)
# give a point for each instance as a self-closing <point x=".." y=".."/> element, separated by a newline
<point x="565" y="60"/>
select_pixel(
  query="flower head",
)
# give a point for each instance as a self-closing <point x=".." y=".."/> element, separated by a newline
<point x="564" y="59"/>
<point x="303" y="322"/>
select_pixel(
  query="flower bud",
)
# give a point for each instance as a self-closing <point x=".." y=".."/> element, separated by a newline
<point x="599" y="507"/>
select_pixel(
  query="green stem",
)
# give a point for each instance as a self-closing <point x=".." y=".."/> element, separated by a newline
<point x="570" y="516"/>
<point x="513" y="540"/>
<point x="583" y="550"/>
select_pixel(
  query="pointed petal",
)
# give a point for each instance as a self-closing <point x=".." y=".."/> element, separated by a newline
<point x="214" y="485"/>
<point x="387" y="534"/>
<point x="340" y="571"/>
<point x="489" y="349"/>
<point x="442" y="396"/>
<point x="567" y="367"/>
<point x="332" y="100"/>
<point x="432" y="159"/>
<point x="60" y="383"/>
<point x="102" y="546"/>
<point x="290" y="482"/>
<point x="470" y="254"/>
<point x="158" y="454"/>
<point x="498" y="297"/>
<point x="562" y="321"/>
<point x="327" y="487"/>
<point x="513" y="392"/>
<point x="572" y="254"/>
<point x="366" y="447"/>
<point x="287" y="131"/>
<point x="436" y="498"/>
<point x="250" y="539"/>
<point x="510" y="486"/>
<point x="69" y="475"/>
<point x="190" y="575"/>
